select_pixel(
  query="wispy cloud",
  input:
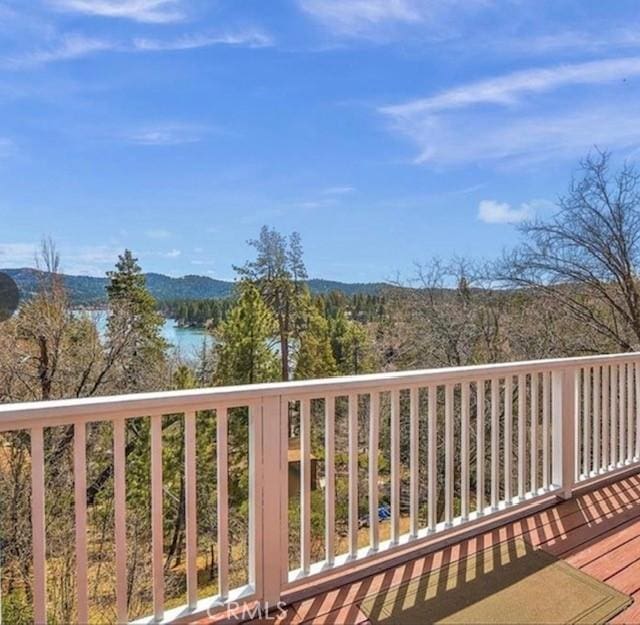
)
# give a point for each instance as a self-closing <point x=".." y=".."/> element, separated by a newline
<point x="166" y="135"/>
<point x="67" y="48"/>
<point x="149" y="11"/>
<point x="71" y="47"/>
<point x="174" y="253"/>
<point x="250" y="38"/>
<point x="371" y="18"/>
<point x="17" y="254"/>
<point x="593" y="40"/>
<point x="338" y="190"/>
<point x="357" y="15"/>
<point x="524" y="116"/>
<point x="509" y="89"/>
<point x="86" y="259"/>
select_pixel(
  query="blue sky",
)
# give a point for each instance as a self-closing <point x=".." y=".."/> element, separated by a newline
<point x="384" y="131"/>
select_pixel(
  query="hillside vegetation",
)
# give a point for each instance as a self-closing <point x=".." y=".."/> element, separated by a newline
<point x="91" y="290"/>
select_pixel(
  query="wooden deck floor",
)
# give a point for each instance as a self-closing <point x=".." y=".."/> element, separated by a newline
<point x="597" y="532"/>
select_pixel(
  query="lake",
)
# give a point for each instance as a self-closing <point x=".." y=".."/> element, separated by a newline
<point x="186" y="341"/>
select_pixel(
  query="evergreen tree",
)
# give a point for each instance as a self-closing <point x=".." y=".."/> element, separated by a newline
<point x="315" y="356"/>
<point x="280" y="275"/>
<point x="134" y="327"/>
<point x="184" y="378"/>
<point x="244" y="355"/>
<point x="352" y="346"/>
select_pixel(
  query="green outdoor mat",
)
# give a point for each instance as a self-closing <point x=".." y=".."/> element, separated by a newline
<point x="510" y="583"/>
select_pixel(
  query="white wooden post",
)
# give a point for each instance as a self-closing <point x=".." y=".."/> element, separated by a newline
<point x="271" y="460"/>
<point x="563" y="430"/>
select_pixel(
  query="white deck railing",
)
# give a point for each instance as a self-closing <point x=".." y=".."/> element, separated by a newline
<point x="482" y="439"/>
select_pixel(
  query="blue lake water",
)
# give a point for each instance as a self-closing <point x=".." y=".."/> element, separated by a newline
<point x="187" y="341"/>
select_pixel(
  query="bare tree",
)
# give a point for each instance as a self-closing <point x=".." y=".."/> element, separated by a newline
<point x="450" y="316"/>
<point x="585" y="257"/>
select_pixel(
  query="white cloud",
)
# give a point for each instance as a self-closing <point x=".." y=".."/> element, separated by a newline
<point x="355" y="15"/>
<point x="173" y="253"/>
<point x="166" y="135"/>
<point x="75" y="46"/>
<point x="508" y="89"/>
<point x="338" y="190"/>
<point x="67" y="48"/>
<point x="492" y="212"/>
<point x="250" y="38"/>
<point x="595" y="40"/>
<point x="372" y="18"/>
<point x="86" y="259"/>
<point x="150" y="11"/>
<point x="525" y="116"/>
<point x="14" y="255"/>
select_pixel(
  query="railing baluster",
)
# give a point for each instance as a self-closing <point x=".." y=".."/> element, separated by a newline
<point x="614" y="415"/>
<point x="80" y="504"/>
<point x="522" y="396"/>
<point x="630" y="387"/>
<point x="353" y="475"/>
<point x="156" y="517"/>
<point x="222" y="462"/>
<point x="576" y="436"/>
<point x="597" y="386"/>
<point x="480" y="395"/>
<point x="495" y="432"/>
<point x="464" y="451"/>
<point x="448" y="454"/>
<point x="280" y="407"/>
<point x="256" y="508"/>
<point x="432" y="459"/>
<point x="622" y="416"/>
<point x="395" y="466"/>
<point x="606" y="418"/>
<point x="414" y="460"/>
<point x="545" y="429"/>
<point x="586" y="421"/>
<point x="120" y="516"/>
<point x="535" y="415"/>
<point x="38" y="527"/>
<point x="374" y="442"/>
<point x="305" y="485"/>
<point x="508" y="438"/>
<point x="637" y="411"/>
<point x="330" y="478"/>
<point x="191" y="510"/>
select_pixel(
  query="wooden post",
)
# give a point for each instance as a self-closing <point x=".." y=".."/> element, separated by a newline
<point x="563" y="430"/>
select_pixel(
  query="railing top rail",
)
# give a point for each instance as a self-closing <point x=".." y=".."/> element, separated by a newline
<point x="168" y="402"/>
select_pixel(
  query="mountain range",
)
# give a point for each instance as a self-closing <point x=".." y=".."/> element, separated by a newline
<point x="90" y="290"/>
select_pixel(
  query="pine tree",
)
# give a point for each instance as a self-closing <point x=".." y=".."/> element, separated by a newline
<point x="352" y="346"/>
<point x="244" y="355"/>
<point x="280" y="275"/>
<point x="315" y="357"/>
<point x="134" y="327"/>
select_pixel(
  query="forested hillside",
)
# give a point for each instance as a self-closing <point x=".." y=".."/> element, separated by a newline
<point x="91" y="290"/>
